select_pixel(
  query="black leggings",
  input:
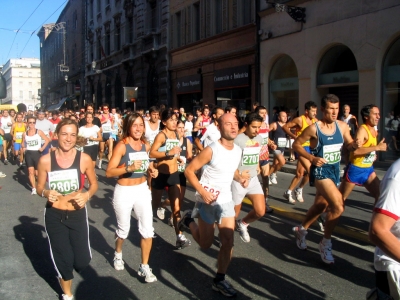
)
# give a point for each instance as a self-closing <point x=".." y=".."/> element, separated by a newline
<point x="68" y="234"/>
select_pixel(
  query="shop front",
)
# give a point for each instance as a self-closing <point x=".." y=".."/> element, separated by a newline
<point x="232" y="86"/>
<point x="188" y="91"/>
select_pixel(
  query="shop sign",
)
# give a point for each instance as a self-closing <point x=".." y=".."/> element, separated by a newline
<point x="232" y="77"/>
<point x="338" y="78"/>
<point x="189" y="84"/>
<point x="392" y="74"/>
<point x="284" y="84"/>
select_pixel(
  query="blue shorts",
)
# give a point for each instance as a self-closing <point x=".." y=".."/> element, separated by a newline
<point x="307" y="148"/>
<point x="213" y="213"/>
<point x="325" y="172"/>
<point x="17" y="146"/>
<point x="264" y="163"/>
<point x="357" y="175"/>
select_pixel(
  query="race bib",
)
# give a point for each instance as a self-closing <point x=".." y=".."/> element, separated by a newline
<point x="65" y="181"/>
<point x="18" y="135"/>
<point x="369" y="158"/>
<point x="140" y="156"/>
<point x="251" y="156"/>
<point x="205" y="124"/>
<point x="170" y="144"/>
<point x="264" y="136"/>
<point x="331" y="153"/>
<point x="32" y="143"/>
<point x="90" y="143"/>
<point x="106" y="128"/>
<point x="182" y="167"/>
<point x="209" y="188"/>
<point x="281" y="142"/>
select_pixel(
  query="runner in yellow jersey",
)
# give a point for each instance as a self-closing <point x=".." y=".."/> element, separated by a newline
<point x="17" y="130"/>
<point x="303" y="166"/>
<point x="360" y="170"/>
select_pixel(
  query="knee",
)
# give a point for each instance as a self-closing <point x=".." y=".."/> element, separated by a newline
<point x="122" y="233"/>
<point x="147" y="233"/>
<point x="260" y="211"/>
<point x="81" y="265"/>
<point x="227" y="242"/>
<point x="337" y="209"/>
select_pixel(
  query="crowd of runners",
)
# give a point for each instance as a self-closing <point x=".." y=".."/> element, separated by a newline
<point x="224" y="158"/>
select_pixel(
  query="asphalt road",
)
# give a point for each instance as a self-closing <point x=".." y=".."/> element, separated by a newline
<point x="269" y="267"/>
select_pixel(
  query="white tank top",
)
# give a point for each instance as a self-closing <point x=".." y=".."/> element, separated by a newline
<point x="220" y="170"/>
<point x="34" y="142"/>
<point x="4" y="124"/>
<point x="150" y="133"/>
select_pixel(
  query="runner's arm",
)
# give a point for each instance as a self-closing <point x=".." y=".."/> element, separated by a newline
<point x="296" y="122"/>
<point x="362" y="135"/>
<point x="306" y="135"/>
<point x="46" y="140"/>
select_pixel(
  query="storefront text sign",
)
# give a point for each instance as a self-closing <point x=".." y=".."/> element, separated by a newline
<point x="189" y="84"/>
<point x="232" y="77"/>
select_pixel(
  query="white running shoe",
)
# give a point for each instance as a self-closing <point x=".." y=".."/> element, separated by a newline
<point x="299" y="195"/>
<point x="244" y="234"/>
<point x="288" y="196"/>
<point x="99" y="164"/>
<point x="272" y="179"/>
<point x="118" y="262"/>
<point x="161" y="213"/>
<point x="182" y="242"/>
<point x="33" y="192"/>
<point x="2" y="175"/>
<point x="146" y="272"/>
<point x="300" y="237"/>
<point x="326" y="253"/>
<point x="66" y="297"/>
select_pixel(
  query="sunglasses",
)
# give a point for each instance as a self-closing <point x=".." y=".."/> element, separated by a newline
<point x="105" y="108"/>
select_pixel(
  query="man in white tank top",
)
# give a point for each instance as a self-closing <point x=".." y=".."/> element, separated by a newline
<point x="6" y="124"/>
<point x="214" y="202"/>
<point x="152" y="125"/>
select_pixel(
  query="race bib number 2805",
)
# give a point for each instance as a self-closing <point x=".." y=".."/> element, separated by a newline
<point x="65" y="181"/>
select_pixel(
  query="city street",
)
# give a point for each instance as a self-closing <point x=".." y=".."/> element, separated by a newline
<point x="269" y="267"/>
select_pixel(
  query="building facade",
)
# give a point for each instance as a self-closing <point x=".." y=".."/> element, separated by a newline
<point x="22" y="81"/>
<point x="62" y="53"/>
<point x="213" y="53"/>
<point x="126" y="46"/>
<point x="348" y="48"/>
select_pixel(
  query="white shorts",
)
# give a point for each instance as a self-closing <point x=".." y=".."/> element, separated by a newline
<point x="238" y="192"/>
<point x="137" y="197"/>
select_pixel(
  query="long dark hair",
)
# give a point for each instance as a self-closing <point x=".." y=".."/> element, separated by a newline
<point x="165" y="116"/>
<point x="128" y="122"/>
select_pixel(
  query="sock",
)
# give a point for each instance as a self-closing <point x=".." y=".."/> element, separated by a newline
<point x="299" y="189"/>
<point x="178" y="236"/>
<point x="219" y="277"/>
<point x="118" y="255"/>
<point x="288" y="191"/>
<point x="144" y="266"/>
<point x="326" y="241"/>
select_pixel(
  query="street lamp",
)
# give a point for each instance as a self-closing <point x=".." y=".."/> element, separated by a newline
<point x="66" y="85"/>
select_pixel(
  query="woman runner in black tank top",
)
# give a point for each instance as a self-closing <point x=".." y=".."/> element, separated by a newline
<point x="65" y="214"/>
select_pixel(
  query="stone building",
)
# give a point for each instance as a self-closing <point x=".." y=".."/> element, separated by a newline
<point x="22" y="81"/>
<point x="348" y="48"/>
<point x="62" y="55"/>
<point x="126" y="46"/>
<point x="213" y="52"/>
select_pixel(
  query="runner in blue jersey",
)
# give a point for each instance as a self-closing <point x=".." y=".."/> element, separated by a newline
<point x="326" y="137"/>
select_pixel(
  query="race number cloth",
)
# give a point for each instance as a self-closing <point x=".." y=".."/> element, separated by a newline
<point x="209" y="188"/>
<point x="106" y="127"/>
<point x="140" y="156"/>
<point x="18" y="135"/>
<point x="251" y="156"/>
<point x="331" y="153"/>
<point x="281" y="142"/>
<point x="182" y="166"/>
<point x="65" y="182"/>
<point x="171" y="143"/>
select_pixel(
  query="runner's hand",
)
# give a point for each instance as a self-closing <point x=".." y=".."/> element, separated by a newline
<point x="245" y="174"/>
<point x="53" y="196"/>
<point x="135" y="166"/>
<point x="153" y="173"/>
<point x="382" y="146"/>
<point x="175" y="150"/>
<point x="244" y="183"/>
<point x="208" y="197"/>
<point x="318" y="161"/>
<point x="80" y="199"/>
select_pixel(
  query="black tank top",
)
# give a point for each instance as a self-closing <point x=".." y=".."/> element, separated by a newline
<point x="279" y="134"/>
<point x="65" y="181"/>
<point x="125" y="160"/>
<point x="184" y="147"/>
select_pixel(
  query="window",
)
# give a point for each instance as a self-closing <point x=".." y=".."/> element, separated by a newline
<point x="91" y="8"/>
<point x="196" y="21"/>
<point x="154" y="17"/>
<point x="218" y="16"/>
<point x="178" y="29"/>
<point x="246" y="12"/>
<point x="38" y="74"/>
<point x="98" y="49"/>
<point x="21" y="95"/>
<point x="108" y="42"/>
<point x="30" y="94"/>
<point x="117" y="38"/>
<point x="30" y="84"/>
<point x="98" y="6"/>
<point x="21" y="83"/>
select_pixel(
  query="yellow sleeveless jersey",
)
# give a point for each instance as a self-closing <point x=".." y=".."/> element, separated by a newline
<point x="19" y="130"/>
<point x="305" y="125"/>
<point x="365" y="161"/>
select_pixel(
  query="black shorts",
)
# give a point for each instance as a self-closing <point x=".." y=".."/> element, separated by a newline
<point x="163" y="180"/>
<point x="182" y="179"/>
<point x="7" y="137"/>
<point x="54" y="143"/>
<point x="32" y="158"/>
<point x="92" y="151"/>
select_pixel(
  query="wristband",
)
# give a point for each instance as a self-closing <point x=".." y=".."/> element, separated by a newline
<point x="43" y="193"/>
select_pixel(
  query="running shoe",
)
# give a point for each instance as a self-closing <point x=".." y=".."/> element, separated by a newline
<point x="300" y="237"/>
<point x="326" y="253"/>
<point x="146" y="272"/>
<point x="6" y="161"/>
<point x="99" y="164"/>
<point x="171" y="222"/>
<point x="33" y="192"/>
<point x="244" y="234"/>
<point x="118" y="262"/>
<point x="268" y="209"/>
<point x="288" y="196"/>
<point x="2" y="175"/>
<point x="186" y="214"/>
<point x="161" y="213"/>
<point x="321" y="223"/>
<point x="272" y="179"/>
<point x="225" y="288"/>
<point x="182" y="242"/>
<point x="66" y="297"/>
<point x="299" y="195"/>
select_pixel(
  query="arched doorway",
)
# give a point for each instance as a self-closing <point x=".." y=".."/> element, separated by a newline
<point x="284" y="85"/>
<point x="391" y="97"/>
<point x="338" y="74"/>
